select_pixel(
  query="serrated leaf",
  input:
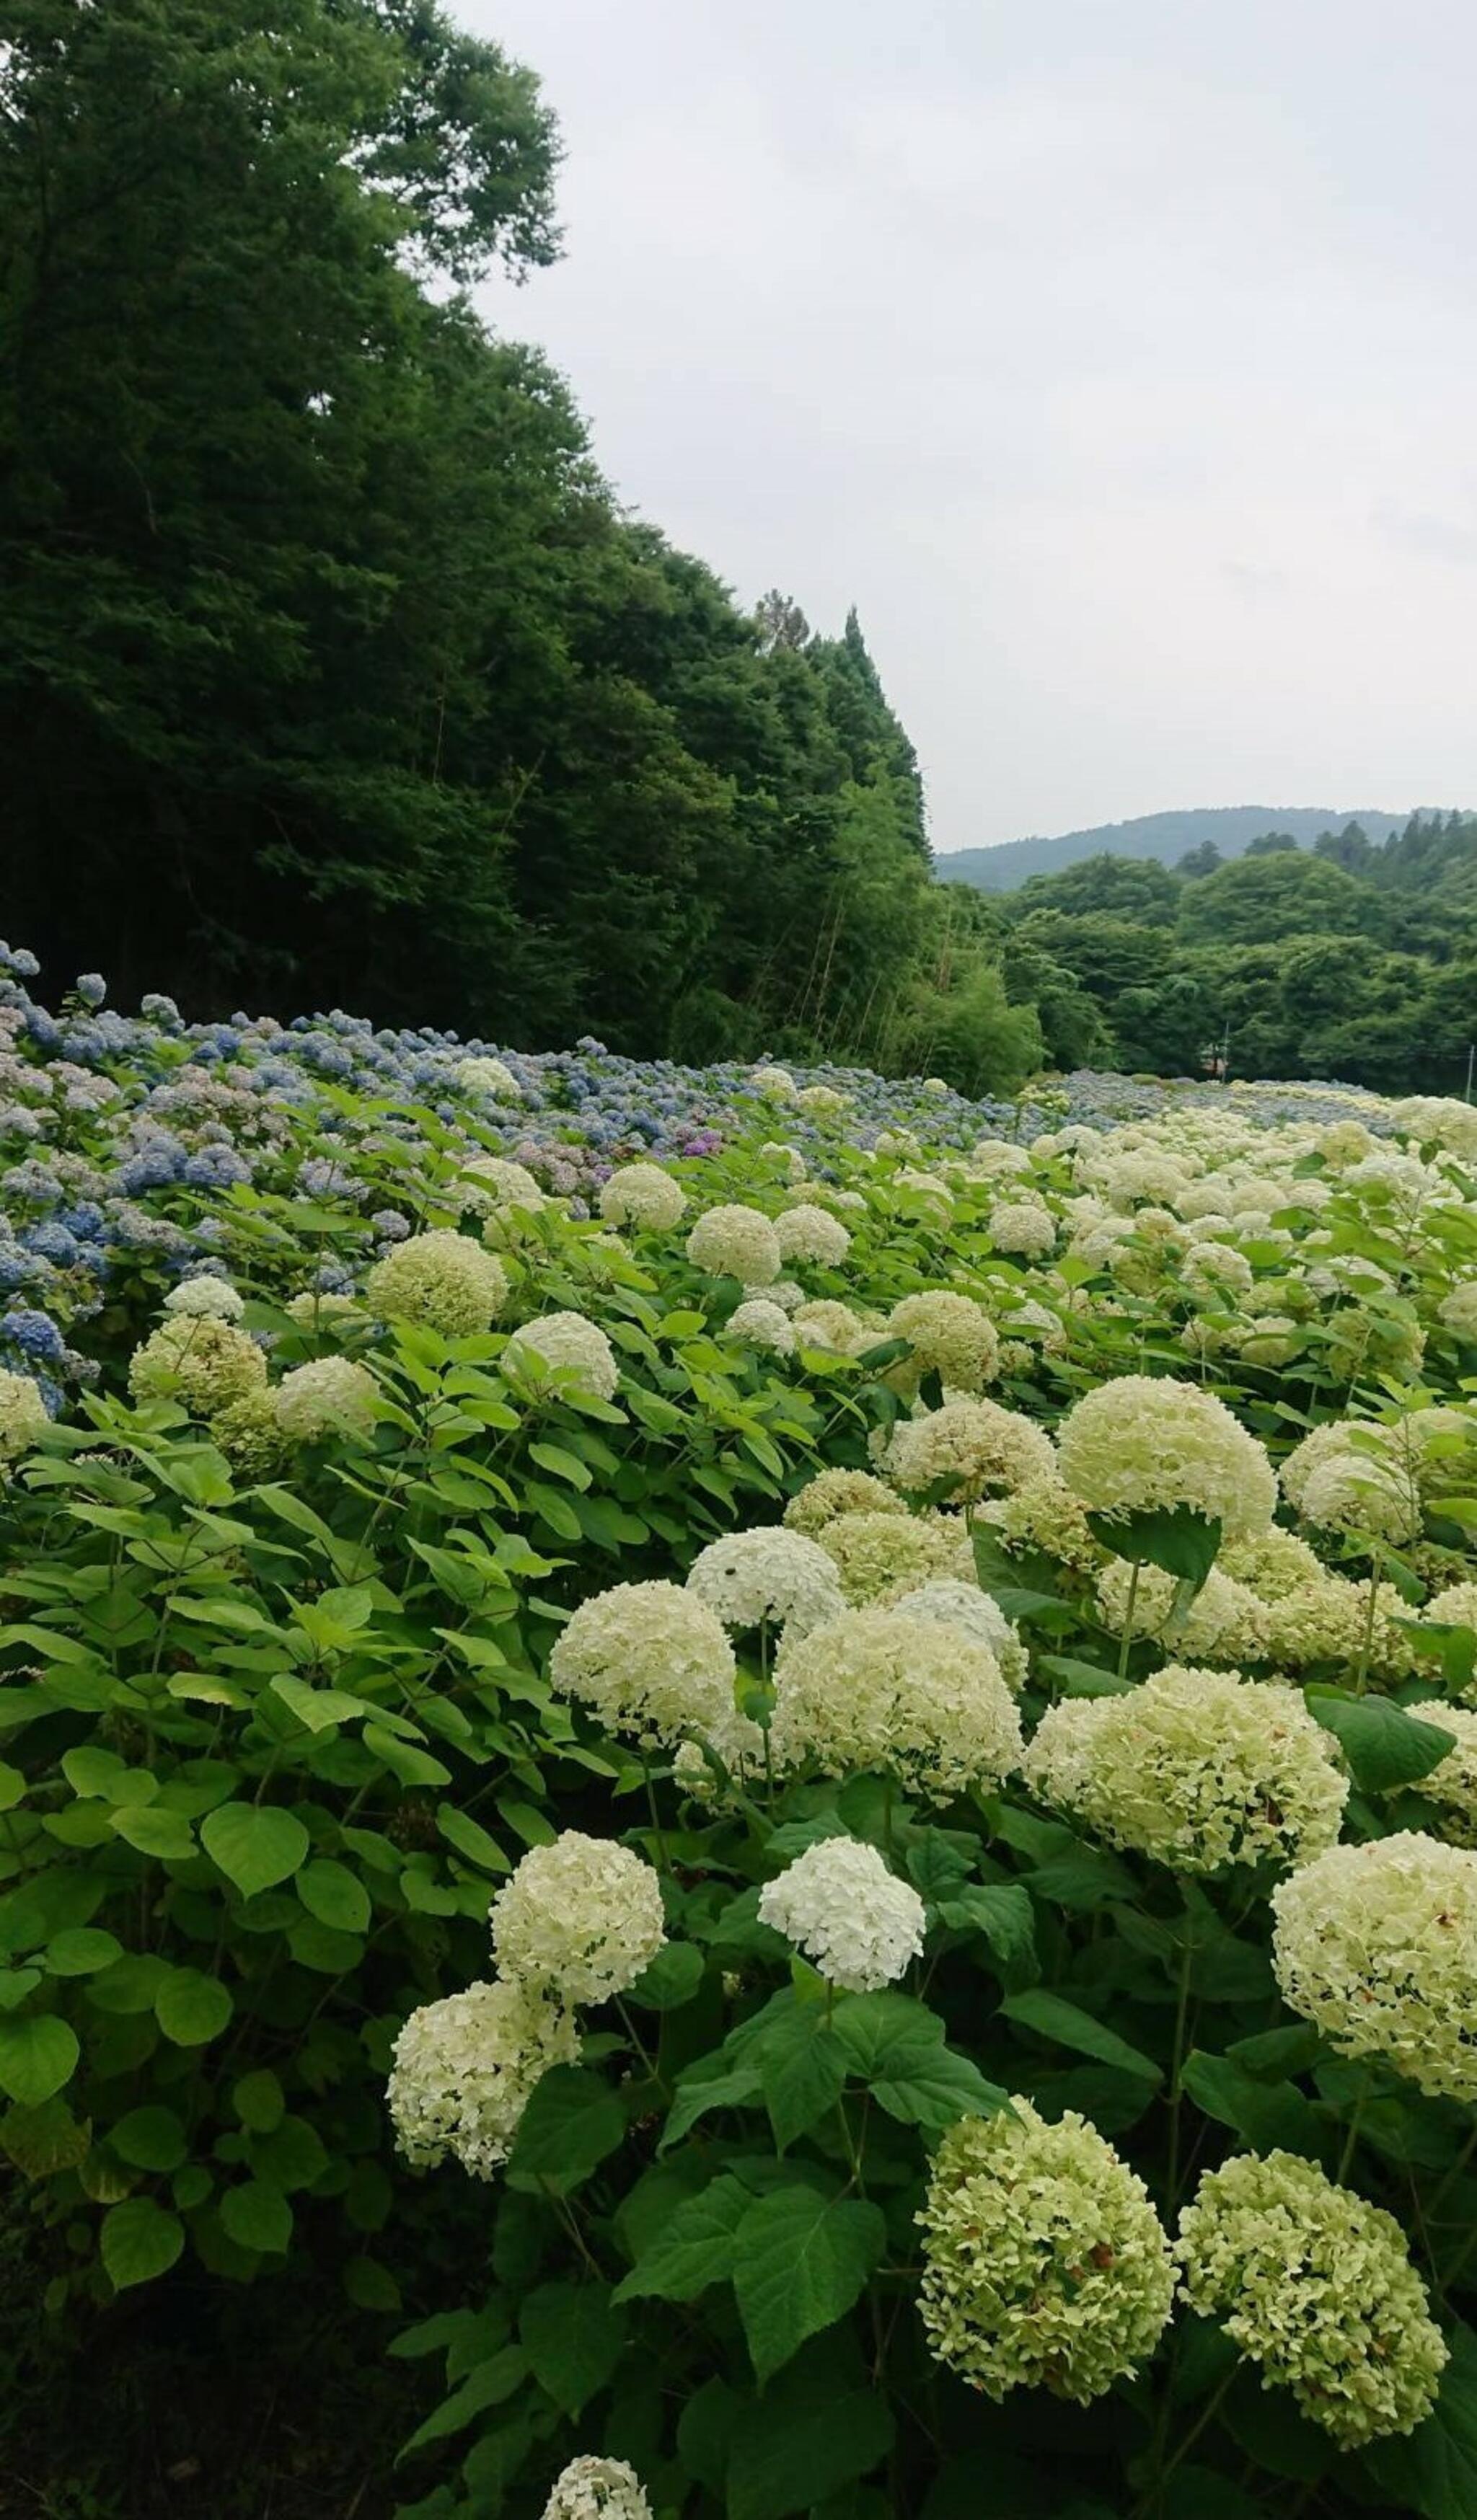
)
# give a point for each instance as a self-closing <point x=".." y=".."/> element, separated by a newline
<point x="139" y="2240"/>
<point x="573" y="2338"/>
<point x="1173" y="1538"/>
<point x="895" y="2047"/>
<point x="712" y="2084"/>
<point x="694" y="2248"/>
<point x="1267" y="2115"/>
<point x="800" y="2260"/>
<point x="255" y="1845"/>
<point x="802" y="2069"/>
<point x="1001" y="1910"/>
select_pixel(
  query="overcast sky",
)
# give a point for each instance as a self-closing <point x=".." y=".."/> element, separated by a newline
<point x="1117" y="358"/>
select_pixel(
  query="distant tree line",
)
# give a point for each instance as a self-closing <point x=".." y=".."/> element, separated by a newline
<point x="1349" y="960"/>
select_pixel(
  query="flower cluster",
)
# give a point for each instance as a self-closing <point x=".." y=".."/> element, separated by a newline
<point x="579" y="1919"/>
<point x="1316" y="2287"/>
<point x="1139" y="1442"/>
<point x="1377" y="1945"/>
<point x="442" y="1280"/>
<point x="1045" y="2266"/>
<point x="771" y="1577"/>
<point x="464" y="2070"/>
<point x="568" y="1348"/>
<point x="854" y="1920"/>
<point x="911" y="1697"/>
<point x="1197" y="1768"/>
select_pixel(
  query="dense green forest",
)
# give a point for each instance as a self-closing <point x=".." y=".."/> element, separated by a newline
<point x="332" y="671"/>
<point x="329" y="668"/>
<point x="1348" y="960"/>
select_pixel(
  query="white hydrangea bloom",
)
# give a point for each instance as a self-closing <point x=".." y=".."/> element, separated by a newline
<point x="650" y="1659"/>
<point x="214" y="1295"/>
<point x="1141" y="1441"/>
<point x="1023" y="1228"/>
<point x="597" y="2489"/>
<point x="643" y="1196"/>
<point x="785" y="1159"/>
<point x="770" y="1576"/>
<point x="442" y="1280"/>
<point x="488" y="1076"/>
<point x="913" y="1696"/>
<point x="951" y="1335"/>
<point x="1377" y="1945"/>
<point x="854" y="1920"/>
<point x="201" y="1362"/>
<point x="568" y="1346"/>
<point x="878" y="1553"/>
<point x="977" y="1614"/>
<point x="809" y="1233"/>
<point x="776" y="1084"/>
<point x="464" y="2070"/>
<point x="760" y="1324"/>
<point x="735" y="1242"/>
<point x="832" y="1493"/>
<point x="829" y="1325"/>
<point x="580" y="1918"/>
<point x="492" y="1183"/>
<point x="329" y="1396"/>
<point x="1351" y="1492"/>
<point x="1457" y="1310"/>
<point x="976" y="1443"/>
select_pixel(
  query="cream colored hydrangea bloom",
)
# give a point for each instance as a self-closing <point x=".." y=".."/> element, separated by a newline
<point x="329" y="1396"/>
<point x="464" y="2070"/>
<point x="1141" y="1441"/>
<point x="579" y="1919"/>
<point x="650" y="1659"/>
<point x="597" y="2489"/>
<point x="978" y="1446"/>
<point x="772" y="1576"/>
<point x="1377" y="1945"/>
<point x="913" y="1697"/>
<point x="23" y="1415"/>
<point x="875" y="1552"/>
<point x="951" y="1335"/>
<point x="643" y="1196"/>
<point x="735" y="1242"/>
<point x="1196" y="1769"/>
<point x="567" y="1347"/>
<point x="854" y="1920"/>
<point x="203" y="1363"/>
<point x="836" y="1492"/>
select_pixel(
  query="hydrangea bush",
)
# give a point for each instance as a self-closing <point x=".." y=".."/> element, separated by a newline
<point x="842" y="1719"/>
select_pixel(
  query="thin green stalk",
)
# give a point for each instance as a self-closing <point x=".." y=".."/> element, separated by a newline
<point x="1366" y="1641"/>
<point x="1128" y="1620"/>
<point x="1177" y="2065"/>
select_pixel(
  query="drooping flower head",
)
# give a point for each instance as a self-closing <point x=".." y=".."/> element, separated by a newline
<point x="854" y="1920"/>
<point x="1197" y="1768"/>
<point x="597" y="2489"/>
<point x="1377" y="1945"/>
<point x="1046" y="2264"/>
<point x="1141" y="1441"/>
<point x="465" y="2067"/>
<point x="579" y="1919"/>
<point x="1316" y="2287"/>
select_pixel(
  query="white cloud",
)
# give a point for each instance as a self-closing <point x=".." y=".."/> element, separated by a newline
<point x="1116" y="357"/>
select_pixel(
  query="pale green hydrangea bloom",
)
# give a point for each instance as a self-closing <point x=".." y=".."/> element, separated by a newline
<point x="597" y="2489"/>
<point x="910" y="1698"/>
<point x="735" y="1242"/>
<point x="874" y="1552"/>
<point x="832" y="1493"/>
<point x="769" y="1577"/>
<point x="1141" y="1441"/>
<point x="1316" y="2287"/>
<point x="977" y="1614"/>
<point x="809" y="1233"/>
<point x="329" y="1396"/>
<point x="203" y="1363"/>
<point x="1046" y="2264"/>
<point x="564" y="1347"/>
<point x="951" y="1335"/>
<point x="975" y="1444"/>
<point x="442" y="1281"/>
<point x="643" y="1196"/>
<point x="1196" y="1769"/>
<point x="23" y="1415"/>
<point x="650" y="1660"/>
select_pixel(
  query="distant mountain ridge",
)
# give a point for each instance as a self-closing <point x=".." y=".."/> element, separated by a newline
<point x="1165" y="836"/>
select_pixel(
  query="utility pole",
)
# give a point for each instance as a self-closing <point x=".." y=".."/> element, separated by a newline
<point x="1471" y="1054"/>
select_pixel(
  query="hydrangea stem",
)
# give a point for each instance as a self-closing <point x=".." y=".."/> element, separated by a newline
<point x="1134" y="1571"/>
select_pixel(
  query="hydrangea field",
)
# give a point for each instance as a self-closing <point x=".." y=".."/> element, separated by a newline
<point x="842" y="1721"/>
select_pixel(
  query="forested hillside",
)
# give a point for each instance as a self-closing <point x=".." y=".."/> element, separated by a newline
<point x="329" y="668"/>
<point x="1229" y="829"/>
<point x="1346" y="960"/>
